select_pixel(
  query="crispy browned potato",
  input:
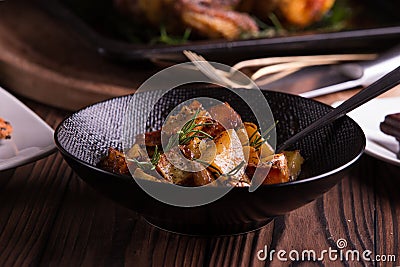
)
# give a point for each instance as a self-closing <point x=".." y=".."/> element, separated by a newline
<point x="229" y="152"/>
<point x="172" y="173"/>
<point x="202" y="178"/>
<point x="294" y="161"/>
<point x="226" y="116"/>
<point x="114" y="162"/>
<point x="149" y="138"/>
<point x="251" y="155"/>
<point x="277" y="167"/>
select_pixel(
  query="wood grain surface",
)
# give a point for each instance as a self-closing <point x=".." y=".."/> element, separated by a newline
<point x="49" y="217"/>
<point x="43" y="59"/>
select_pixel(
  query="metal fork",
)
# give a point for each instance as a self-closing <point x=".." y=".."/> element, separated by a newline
<point x="278" y="67"/>
<point x="214" y="74"/>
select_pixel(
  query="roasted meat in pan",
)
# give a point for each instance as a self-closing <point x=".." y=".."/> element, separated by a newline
<point x="229" y="19"/>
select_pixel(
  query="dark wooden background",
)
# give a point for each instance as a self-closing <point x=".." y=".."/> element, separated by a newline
<point x="49" y="217"/>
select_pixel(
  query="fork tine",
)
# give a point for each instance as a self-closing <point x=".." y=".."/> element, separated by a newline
<point x="277" y="60"/>
<point x="209" y="70"/>
<point x="287" y="66"/>
<point x="213" y="73"/>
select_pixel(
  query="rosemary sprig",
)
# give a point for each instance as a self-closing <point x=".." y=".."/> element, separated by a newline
<point x="262" y="138"/>
<point x="275" y="21"/>
<point x="229" y="174"/>
<point x="235" y="170"/>
<point x="188" y="132"/>
<point x="148" y="165"/>
<point x="207" y="164"/>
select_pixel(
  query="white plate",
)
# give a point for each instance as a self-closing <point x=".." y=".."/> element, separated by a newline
<point x="369" y="116"/>
<point x="31" y="139"/>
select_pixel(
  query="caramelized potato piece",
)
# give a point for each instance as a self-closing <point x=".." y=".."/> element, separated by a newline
<point x="294" y="162"/>
<point x="214" y="129"/>
<point x="114" y="162"/>
<point x="172" y="173"/>
<point x="251" y="155"/>
<point x="273" y="172"/>
<point x="279" y="172"/>
<point x="266" y="151"/>
<point x="226" y="116"/>
<point x="136" y="152"/>
<point x="243" y="137"/>
<point x="229" y="152"/>
<point x="175" y="123"/>
<point x="251" y="130"/>
<point x="202" y="178"/>
<point x="139" y="173"/>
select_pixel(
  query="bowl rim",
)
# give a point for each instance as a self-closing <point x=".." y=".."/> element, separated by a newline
<point x="290" y="183"/>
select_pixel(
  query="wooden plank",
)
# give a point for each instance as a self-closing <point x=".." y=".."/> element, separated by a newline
<point x="52" y="64"/>
<point x="346" y="212"/>
<point x="53" y="218"/>
<point x="387" y="201"/>
<point x="30" y="196"/>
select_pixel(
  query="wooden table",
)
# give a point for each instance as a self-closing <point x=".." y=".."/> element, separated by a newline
<point x="48" y="216"/>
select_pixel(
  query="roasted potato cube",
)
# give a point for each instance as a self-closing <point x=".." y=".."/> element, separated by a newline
<point x="226" y="116"/>
<point x="243" y="137"/>
<point x="114" y="162"/>
<point x="294" y="162"/>
<point x="202" y="178"/>
<point x="266" y="150"/>
<point x="229" y="152"/>
<point x="139" y="173"/>
<point x="136" y="152"/>
<point x="251" y="155"/>
<point x="172" y="173"/>
<point x="251" y="130"/>
<point x="272" y="172"/>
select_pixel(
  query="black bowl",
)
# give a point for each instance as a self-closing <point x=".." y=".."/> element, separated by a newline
<point x="84" y="138"/>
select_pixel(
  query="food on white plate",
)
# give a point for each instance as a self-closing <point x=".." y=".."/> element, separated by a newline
<point x="229" y="19"/>
<point x="5" y="129"/>
<point x="205" y="146"/>
<point x="391" y="126"/>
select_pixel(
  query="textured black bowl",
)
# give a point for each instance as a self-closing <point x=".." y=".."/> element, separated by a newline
<point x="84" y="138"/>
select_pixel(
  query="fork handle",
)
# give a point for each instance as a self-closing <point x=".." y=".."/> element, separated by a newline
<point x="382" y="85"/>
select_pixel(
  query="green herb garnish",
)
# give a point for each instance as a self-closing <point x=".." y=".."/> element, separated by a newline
<point x="164" y="38"/>
<point x="148" y="165"/>
<point x="188" y="132"/>
<point x="229" y="174"/>
<point x="259" y="140"/>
